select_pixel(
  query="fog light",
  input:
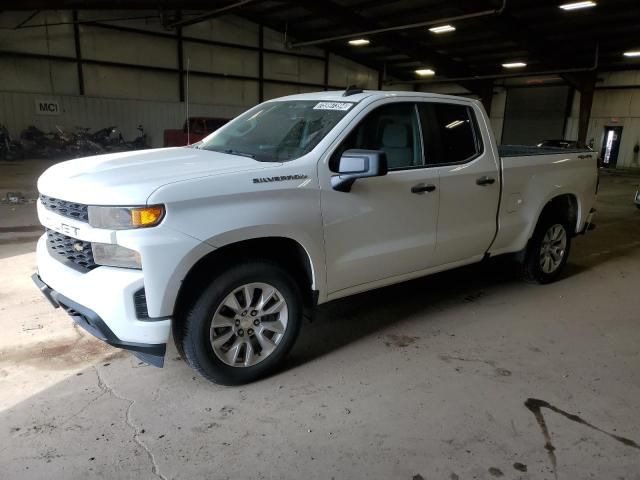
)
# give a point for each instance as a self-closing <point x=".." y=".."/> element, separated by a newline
<point x="115" y="256"/>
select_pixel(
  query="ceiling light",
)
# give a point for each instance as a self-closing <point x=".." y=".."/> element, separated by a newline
<point x="443" y="29"/>
<point x="514" y="65"/>
<point x="632" y="53"/>
<point x="359" y="42"/>
<point x="425" y="72"/>
<point x="577" y="5"/>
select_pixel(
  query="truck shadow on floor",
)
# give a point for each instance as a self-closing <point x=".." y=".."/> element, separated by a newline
<point x="344" y="321"/>
<point x="347" y="320"/>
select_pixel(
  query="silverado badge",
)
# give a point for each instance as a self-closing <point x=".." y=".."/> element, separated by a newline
<point x="283" y="178"/>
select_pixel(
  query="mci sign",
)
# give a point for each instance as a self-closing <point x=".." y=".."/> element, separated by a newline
<point x="47" y="107"/>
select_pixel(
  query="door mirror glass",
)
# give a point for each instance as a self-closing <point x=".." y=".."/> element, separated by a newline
<point x="355" y="164"/>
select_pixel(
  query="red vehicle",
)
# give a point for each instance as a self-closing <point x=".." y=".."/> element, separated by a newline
<point x="199" y="127"/>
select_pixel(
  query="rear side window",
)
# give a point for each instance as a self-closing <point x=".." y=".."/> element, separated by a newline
<point x="450" y="133"/>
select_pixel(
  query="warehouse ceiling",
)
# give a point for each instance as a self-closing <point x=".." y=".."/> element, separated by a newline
<point x="488" y="33"/>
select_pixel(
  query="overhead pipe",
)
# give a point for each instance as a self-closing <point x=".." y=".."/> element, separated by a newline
<point x="408" y="26"/>
<point x="592" y="68"/>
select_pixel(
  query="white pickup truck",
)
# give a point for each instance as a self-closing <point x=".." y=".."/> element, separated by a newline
<point x="299" y="201"/>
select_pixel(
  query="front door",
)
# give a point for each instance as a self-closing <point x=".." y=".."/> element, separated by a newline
<point x="611" y="146"/>
<point x="469" y="180"/>
<point x="381" y="228"/>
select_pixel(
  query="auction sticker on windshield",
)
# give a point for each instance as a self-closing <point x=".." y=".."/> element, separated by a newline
<point x="342" y="106"/>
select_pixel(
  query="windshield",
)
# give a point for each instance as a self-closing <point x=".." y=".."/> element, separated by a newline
<point x="277" y="131"/>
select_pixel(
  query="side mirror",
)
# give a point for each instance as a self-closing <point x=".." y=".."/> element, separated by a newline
<point x="355" y="164"/>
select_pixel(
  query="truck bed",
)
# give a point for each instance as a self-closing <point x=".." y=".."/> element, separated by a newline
<point x="531" y="177"/>
<point x="530" y="150"/>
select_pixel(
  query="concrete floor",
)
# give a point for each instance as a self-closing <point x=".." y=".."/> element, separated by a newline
<point x="427" y="379"/>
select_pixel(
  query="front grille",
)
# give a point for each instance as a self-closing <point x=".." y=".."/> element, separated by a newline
<point x="75" y="253"/>
<point x="77" y="211"/>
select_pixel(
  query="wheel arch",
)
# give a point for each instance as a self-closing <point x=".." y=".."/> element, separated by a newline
<point x="565" y="205"/>
<point x="286" y="251"/>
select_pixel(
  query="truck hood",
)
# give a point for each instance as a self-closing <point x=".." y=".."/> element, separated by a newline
<point x="128" y="178"/>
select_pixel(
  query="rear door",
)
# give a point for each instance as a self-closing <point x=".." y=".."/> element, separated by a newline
<point x="468" y="171"/>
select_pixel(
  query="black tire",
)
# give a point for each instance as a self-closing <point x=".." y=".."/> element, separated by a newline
<point x="532" y="270"/>
<point x="196" y="344"/>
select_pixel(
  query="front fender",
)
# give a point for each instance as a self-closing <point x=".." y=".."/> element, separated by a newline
<point x="313" y="250"/>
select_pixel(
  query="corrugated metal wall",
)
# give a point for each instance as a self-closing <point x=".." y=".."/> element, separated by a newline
<point x="18" y="110"/>
<point x="619" y="107"/>
<point x="126" y="97"/>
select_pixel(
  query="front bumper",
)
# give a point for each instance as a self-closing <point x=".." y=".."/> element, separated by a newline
<point x="104" y="300"/>
<point x="92" y="323"/>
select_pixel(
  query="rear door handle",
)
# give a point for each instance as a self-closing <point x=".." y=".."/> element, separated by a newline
<point x="482" y="181"/>
<point x="422" y="188"/>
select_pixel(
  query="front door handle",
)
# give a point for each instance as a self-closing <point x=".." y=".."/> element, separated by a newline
<point x="483" y="181"/>
<point x="421" y="188"/>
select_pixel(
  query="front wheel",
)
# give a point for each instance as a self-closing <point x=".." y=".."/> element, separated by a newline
<point x="244" y="324"/>
<point x="547" y="251"/>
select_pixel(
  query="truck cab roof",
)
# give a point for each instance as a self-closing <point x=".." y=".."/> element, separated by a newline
<point x="338" y="96"/>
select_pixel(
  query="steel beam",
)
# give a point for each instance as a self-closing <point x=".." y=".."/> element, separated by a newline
<point x="78" y="51"/>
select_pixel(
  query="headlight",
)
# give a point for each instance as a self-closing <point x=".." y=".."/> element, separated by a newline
<point x="122" y="218"/>
<point x="115" y="256"/>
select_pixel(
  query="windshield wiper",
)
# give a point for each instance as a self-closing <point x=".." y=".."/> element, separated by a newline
<point x="231" y="151"/>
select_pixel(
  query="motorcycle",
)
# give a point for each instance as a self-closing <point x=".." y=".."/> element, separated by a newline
<point x="110" y="139"/>
<point x="37" y="144"/>
<point x="140" y="142"/>
<point x="9" y="148"/>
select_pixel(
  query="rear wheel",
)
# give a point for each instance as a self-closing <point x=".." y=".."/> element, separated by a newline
<point x="244" y="323"/>
<point x="547" y="251"/>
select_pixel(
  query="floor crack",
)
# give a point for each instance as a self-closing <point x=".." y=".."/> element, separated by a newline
<point x="107" y="389"/>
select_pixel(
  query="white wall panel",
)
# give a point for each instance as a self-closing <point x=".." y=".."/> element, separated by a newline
<point x="225" y="29"/>
<point x="276" y="41"/>
<point x="17" y="111"/>
<point x="52" y="40"/>
<point x="28" y="75"/>
<point x="123" y="47"/>
<point x="345" y="72"/>
<point x="126" y="97"/>
<point x="619" y="107"/>
<point x="148" y="20"/>
<point x="118" y="82"/>
<point x="275" y="90"/>
<point x="223" y="92"/>
<point x="297" y="69"/>
<point x="225" y="60"/>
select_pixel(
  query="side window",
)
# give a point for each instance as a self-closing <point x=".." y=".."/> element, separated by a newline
<point x="392" y="128"/>
<point x="450" y="133"/>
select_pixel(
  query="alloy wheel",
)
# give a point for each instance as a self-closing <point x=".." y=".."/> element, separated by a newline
<point x="249" y="324"/>
<point x="553" y="248"/>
